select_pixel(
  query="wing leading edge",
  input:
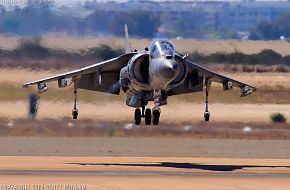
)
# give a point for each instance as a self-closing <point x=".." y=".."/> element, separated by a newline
<point x="73" y="74"/>
<point x="110" y="66"/>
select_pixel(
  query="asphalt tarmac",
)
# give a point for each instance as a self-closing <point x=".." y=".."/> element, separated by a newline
<point x="61" y="173"/>
<point x="144" y="147"/>
<point x="108" y="163"/>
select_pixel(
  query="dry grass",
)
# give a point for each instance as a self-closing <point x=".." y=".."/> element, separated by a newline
<point x="9" y="42"/>
<point x="175" y="112"/>
<point x="183" y="45"/>
<point x="237" y="68"/>
<point x="273" y="88"/>
<point x="260" y="80"/>
<point x="92" y="128"/>
<point x="272" y="96"/>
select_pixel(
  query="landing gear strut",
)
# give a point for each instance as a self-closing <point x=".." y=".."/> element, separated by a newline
<point x="75" y="111"/>
<point x="156" y="110"/>
<point x="206" y="113"/>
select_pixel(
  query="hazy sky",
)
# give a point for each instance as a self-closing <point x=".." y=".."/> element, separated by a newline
<point x="69" y="2"/>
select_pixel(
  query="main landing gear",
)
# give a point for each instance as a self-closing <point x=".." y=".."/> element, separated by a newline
<point x="156" y="110"/>
<point x="137" y="116"/>
<point x="150" y="116"/>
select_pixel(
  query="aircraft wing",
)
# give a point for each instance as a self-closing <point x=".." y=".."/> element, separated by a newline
<point x="101" y="76"/>
<point x="197" y="77"/>
<point x="227" y="82"/>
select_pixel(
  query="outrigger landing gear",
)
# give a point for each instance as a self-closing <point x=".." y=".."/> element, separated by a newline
<point x="75" y="111"/>
<point x="156" y="110"/>
<point x="206" y="113"/>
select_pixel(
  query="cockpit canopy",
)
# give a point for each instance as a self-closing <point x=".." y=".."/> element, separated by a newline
<point x="162" y="48"/>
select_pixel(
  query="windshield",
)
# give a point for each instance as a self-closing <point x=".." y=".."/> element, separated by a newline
<point x="162" y="48"/>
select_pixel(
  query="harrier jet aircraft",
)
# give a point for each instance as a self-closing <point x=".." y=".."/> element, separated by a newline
<point x="152" y="74"/>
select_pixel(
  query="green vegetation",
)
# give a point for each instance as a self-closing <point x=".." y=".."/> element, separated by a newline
<point x="30" y="48"/>
<point x="103" y="52"/>
<point x="266" y="30"/>
<point x="278" y="118"/>
<point x="38" y="19"/>
<point x="265" y="57"/>
<point x="33" y="48"/>
<point x="31" y="53"/>
<point x="141" y="23"/>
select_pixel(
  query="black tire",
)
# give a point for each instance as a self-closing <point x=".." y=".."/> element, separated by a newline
<point x="148" y="116"/>
<point x="156" y="116"/>
<point x="137" y="116"/>
<point x="75" y="114"/>
<point x="206" y="116"/>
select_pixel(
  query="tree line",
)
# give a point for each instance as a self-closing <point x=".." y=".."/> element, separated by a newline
<point x="39" y="19"/>
<point x="33" y="50"/>
<point x="271" y="30"/>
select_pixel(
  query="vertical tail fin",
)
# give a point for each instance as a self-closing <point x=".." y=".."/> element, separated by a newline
<point x="127" y="41"/>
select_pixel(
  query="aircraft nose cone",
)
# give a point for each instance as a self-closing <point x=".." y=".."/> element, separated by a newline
<point x="168" y="69"/>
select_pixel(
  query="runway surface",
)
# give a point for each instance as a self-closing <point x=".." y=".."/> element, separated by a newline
<point x="144" y="147"/>
<point x="53" y="173"/>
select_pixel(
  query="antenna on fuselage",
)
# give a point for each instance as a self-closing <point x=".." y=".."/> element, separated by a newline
<point x="127" y="41"/>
